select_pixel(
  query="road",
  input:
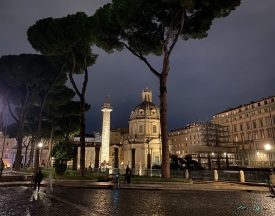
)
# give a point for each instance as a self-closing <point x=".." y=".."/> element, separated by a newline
<point x="21" y="200"/>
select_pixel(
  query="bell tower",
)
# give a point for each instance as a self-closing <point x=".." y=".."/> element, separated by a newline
<point x="146" y="95"/>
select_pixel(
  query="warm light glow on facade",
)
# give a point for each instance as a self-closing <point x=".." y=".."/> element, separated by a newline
<point x="107" y="109"/>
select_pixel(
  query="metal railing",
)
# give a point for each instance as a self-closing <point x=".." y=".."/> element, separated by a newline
<point x="201" y="174"/>
<point x="256" y="176"/>
<point x="223" y="175"/>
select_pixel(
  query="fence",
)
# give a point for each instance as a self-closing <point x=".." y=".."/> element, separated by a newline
<point x="224" y="175"/>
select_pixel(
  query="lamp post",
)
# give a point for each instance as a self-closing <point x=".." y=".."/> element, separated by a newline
<point x="267" y="148"/>
<point x="37" y="156"/>
<point x="40" y="153"/>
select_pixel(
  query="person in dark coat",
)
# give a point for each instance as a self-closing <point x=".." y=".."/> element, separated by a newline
<point x="127" y="175"/>
<point x="2" y="166"/>
<point x="38" y="179"/>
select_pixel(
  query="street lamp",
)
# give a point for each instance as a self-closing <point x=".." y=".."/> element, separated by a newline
<point x="267" y="148"/>
<point x="37" y="156"/>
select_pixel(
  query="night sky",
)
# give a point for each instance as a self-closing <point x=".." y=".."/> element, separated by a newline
<point x="234" y="65"/>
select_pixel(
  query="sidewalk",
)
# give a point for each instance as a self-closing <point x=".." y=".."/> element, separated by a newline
<point x="141" y="185"/>
<point x="195" y="185"/>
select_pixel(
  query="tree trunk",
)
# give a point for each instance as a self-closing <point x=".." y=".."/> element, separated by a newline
<point x="26" y="154"/>
<point x="30" y="163"/>
<point x="82" y="125"/>
<point x="18" y="156"/>
<point x="165" y="172"/>
<point x="81" y="96"/>
<point x="50" y="147"/>
<point x="82" y="137"/>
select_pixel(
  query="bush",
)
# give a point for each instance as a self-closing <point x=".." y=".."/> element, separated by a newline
<point x="60" y="168"/>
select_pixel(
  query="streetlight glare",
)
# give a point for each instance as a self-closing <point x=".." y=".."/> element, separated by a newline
<point x="40" y="145"/>
<point x="267" y="147"/>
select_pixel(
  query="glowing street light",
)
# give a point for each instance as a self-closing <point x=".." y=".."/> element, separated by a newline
<point x="267" y="147"/>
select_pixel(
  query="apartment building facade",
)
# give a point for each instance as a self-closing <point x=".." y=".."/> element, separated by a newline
<point x="203" y="144"/>
<point x="252" y="131"/>
<point x="185" y="140"/>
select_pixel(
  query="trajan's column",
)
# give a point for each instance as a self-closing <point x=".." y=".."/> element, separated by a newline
<point x="106" y="109"/>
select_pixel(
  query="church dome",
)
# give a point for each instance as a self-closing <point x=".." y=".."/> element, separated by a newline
<point x="146" y="109"/>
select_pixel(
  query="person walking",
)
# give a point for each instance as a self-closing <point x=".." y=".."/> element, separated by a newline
<point x="2" y="166"/>
<point x="127" y="175"/>
<point x="37" y="179"/>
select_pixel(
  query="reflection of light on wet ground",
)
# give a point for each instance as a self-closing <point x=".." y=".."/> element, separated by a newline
<point x="116" y="196"/>
<point x="35" y="196"/>
<point x="28" y="212"/>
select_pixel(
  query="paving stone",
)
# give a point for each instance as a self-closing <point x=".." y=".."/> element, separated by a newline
<point x="23" y="201"/>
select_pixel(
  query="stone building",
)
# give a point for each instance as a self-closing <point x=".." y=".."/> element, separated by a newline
<point x="142" y="148"/>
<point x="6" y="146"/>
<point x="203" y="144"/>
<point x="252" y="131"/>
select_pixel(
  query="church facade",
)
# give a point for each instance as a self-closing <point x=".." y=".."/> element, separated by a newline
<point x="142" y="148"/>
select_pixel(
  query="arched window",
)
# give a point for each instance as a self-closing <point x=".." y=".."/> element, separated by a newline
<point x="154" y="129"/>
<point x="140" y="129"/>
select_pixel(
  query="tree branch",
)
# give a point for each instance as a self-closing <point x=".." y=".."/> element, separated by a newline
<point x="178" y="33"/>
<point x="71" y="77"/>
<point x="142" y="58"/>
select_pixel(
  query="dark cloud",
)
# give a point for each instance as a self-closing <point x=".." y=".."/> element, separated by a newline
<point x="233" y="65"/>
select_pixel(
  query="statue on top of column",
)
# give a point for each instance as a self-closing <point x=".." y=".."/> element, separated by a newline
<point x="108" y="98"/>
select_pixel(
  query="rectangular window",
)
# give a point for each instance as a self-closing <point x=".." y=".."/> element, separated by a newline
<point x="241" y="116"/>
<point x="241" y="127"/>
<point x="262" y="134"/>
<point x="235" y="128"/>
<point x="236" y="137"/>
<point x="156" y="159"/>
<point x="260" y="122"/>
<point x="259" y="104"/>
<point x="259" y="111"/>
<point x="269" y="132"/>
<point x="266" y="109"/>
<point x="234" y="118"/>
<point x="140" y="128"/>
<point x="253" y="113"/>
<point x="247" y="125"/>
<point x="249" y="135"/>
<point x="267" y="121"/>
<point x="254" y="124"/>
<point x="155" y="129"/>
<point x="255" y="135"/>
<point x="242" y="137"/>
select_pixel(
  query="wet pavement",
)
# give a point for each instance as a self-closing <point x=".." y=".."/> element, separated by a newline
<point x="140" y="198"/>
<point x="22" y="200"/>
